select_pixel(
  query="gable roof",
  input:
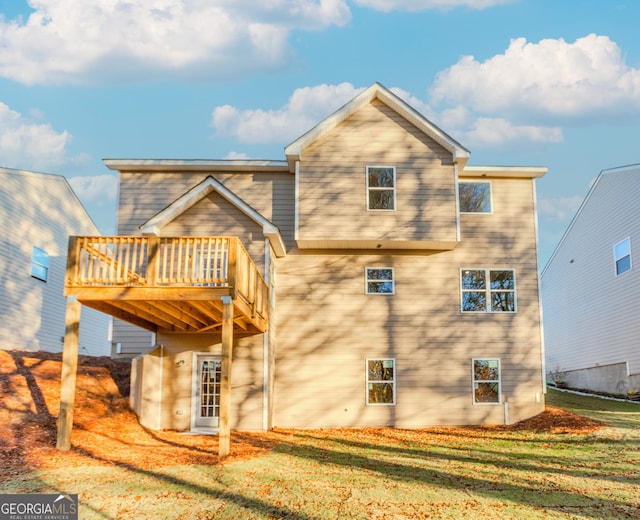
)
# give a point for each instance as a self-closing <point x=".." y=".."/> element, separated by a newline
<point x="376" y="91"/>
<point x="200" y="191"/>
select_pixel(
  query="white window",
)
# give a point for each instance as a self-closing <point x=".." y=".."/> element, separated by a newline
<point x="475" y="197"/>
<point x="381" y="188"/>
<point x="622" y="256"/>
<point x="379" y="280"/>
<point x="486" y="381"/>
<point x="39" y="263"/>
<point x="381" y="381"/>
<point x="488" y="290"/>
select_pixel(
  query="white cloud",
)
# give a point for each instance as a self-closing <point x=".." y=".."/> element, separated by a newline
<point x="71" y="41"/>
<point x="30" y="145"/>
<point x="552" y="79"/>
<point x="498" y="132"/>
<point x="559" y="209"/>
<point x="95" y="190"/>
<point x="423" y="5"/>
<point x="306" y="107"/>
<point x="237" y="155"/>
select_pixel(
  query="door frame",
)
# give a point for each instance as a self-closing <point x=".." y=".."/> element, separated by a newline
<point x="195" y="387"/>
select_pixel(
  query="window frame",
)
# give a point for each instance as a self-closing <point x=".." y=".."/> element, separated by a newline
<point x="39" y="269"/>
<point x="377" y="188"/>
<point x="392" y="382"/>
<point x="490" y="184"/>
<point x="367" y="280"/>
<point x="474" y="381"/>
<point x="488" y="291"/>
<point x="617" y="258"/>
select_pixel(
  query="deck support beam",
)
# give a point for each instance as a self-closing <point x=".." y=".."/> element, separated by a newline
<point x="224" y="429"/>
<point x="69" y="371"/>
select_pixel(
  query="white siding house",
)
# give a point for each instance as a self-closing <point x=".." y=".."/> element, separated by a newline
<point x="590" y="289"/>
<point x="38" y="212"/>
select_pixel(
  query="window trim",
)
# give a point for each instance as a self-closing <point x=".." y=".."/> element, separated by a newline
<point x="393" y="382"/>
<point x="474" y="381"/>
<point x="488" y="291"/>
<point x="367" y="280"/>
<point x="369" y="189"/>
<point x="468" y="181"/>
<point x="39" y="267"/>
<point x="616" y="258"/>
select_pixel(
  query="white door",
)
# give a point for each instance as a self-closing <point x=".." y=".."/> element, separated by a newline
<point x="207" y="390"/>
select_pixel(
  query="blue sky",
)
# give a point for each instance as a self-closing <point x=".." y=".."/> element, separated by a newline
<point x="518" y="82"/>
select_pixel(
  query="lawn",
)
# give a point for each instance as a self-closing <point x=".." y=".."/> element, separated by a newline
<point x="471" y="473"/>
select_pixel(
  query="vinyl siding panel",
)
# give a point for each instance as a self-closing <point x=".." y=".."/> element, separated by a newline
<point x="332" y="183"/>
<point x="590" y="313"/>
<point x="42" y="211"/>
<point x="143" y="195"/>
<point x="328" y="327"/>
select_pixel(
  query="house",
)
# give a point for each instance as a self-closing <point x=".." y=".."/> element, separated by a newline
<point x="590" y="287"/>
<point x="370" y="278"/>
<point x="38" y="213"/>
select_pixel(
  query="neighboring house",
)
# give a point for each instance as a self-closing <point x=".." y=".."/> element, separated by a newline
<point x="590" y="289"/>
<point x="38" y="213"/>
<point x="400" y="285"/>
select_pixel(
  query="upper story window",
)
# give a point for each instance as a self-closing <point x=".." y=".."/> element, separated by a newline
<point x="379" y="280"/>
<point x="488" y="290"/>
<point x="622" y="256"/>
<point x="475" y="197"/>
<point x="381" y="188"/>
<point x="39" y="263"/>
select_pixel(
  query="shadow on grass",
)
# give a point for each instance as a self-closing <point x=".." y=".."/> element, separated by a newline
<point x="259" y="506"/>
<point x="545" y="496"/>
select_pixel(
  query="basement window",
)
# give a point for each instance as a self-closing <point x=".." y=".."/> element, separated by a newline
<point x="381" y="381"/>
<point x="486" y="381"/>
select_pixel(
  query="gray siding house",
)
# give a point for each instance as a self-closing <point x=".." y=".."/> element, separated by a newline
<point x="38" y="212"/>
<point x="396" y="285"/>
<point x="590" y="290"/>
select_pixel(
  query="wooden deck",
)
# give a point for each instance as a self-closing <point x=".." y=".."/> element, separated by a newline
<point x="168" y="284"/>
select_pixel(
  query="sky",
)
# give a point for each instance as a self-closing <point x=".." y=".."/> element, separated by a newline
<point x="518" y="82"/>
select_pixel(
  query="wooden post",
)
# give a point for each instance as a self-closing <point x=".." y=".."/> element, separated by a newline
<point x="69" y="369"/>
<point x="224" y="428"/>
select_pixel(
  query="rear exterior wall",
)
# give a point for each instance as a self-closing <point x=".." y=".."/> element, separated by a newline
<point x="328" y="327"/>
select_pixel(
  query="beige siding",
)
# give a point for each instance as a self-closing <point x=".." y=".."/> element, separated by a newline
<point x="215" y="216"/>
<point x="333" y="175"/>
<point x="164" y="383"/>
<point x="143" y="195"/>
<point x="328" y="326"/>
<point x="41" y="210"/>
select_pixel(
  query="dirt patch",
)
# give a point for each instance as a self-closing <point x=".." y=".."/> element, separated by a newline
<point x="106" y="432"/>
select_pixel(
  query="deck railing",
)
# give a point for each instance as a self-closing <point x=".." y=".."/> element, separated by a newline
<point x="149" y="261"/>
